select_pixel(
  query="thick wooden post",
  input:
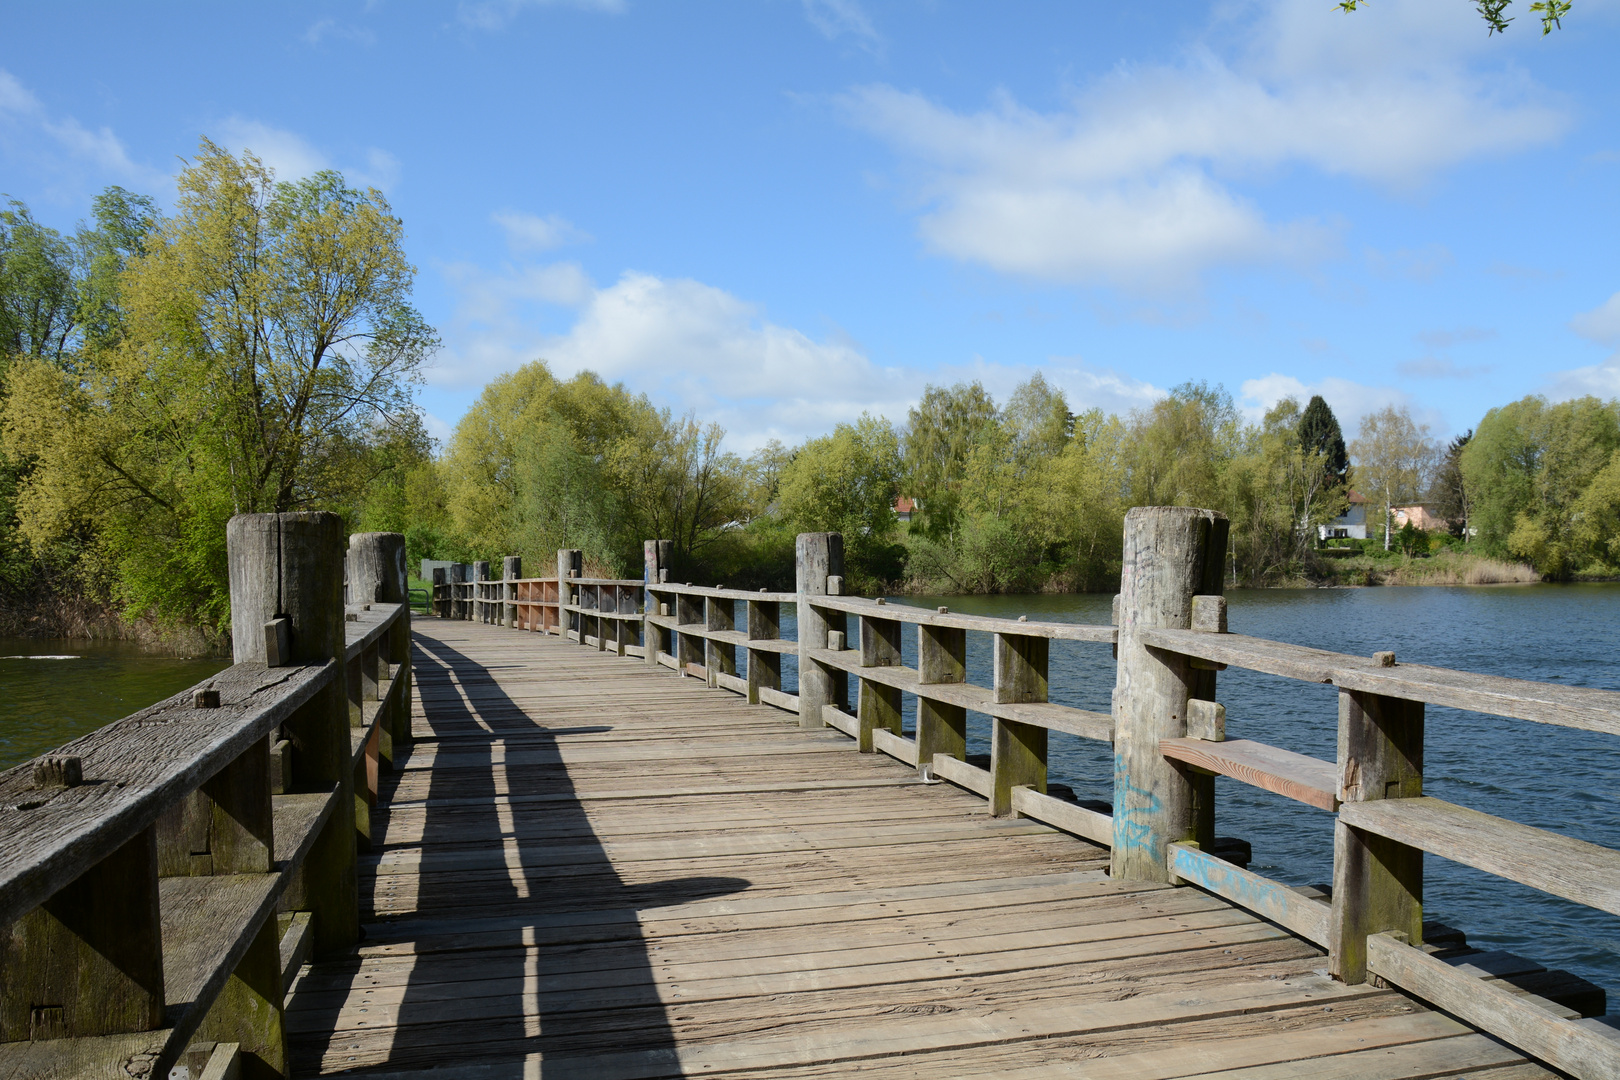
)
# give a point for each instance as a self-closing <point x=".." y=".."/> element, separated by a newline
<point x="89" y="960"/>
<point x="377" y="567"/>
<point x="941" y="658"/>
<point x="764" y="668"/>
<point x="458" y="592"/>
<point x="817" y="556"/>
<point x="719" y="657"/>
<point x="511" y="570"/>
<point x="1169" y="555"/>
<point x="441" y="582"/>
<point x="655" y="555"/>
<point x="480" y="573"/>
<point x="570" y="564"/>
<point x="878" y="705"/>
<point x="688" y="647"/>
<point x="1017" y="751"/>
<point x="1377" y="883"/>
<point x="291" y="565"/>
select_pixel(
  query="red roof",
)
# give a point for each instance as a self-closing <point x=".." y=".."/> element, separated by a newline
<point x="903" y="505"/>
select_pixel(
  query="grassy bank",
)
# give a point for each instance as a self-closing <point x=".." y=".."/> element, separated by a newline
<point x="1446" y="567"/>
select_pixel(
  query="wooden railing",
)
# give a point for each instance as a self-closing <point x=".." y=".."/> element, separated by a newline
<point x="1168" y="734"/>
<point x="163" y="878"/>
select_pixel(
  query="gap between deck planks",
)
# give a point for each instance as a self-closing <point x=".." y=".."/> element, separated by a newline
<point x="588" y="868"/>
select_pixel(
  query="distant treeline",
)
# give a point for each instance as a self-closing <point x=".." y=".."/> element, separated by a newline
<point x="257" y="351"/>
<point x="1019" y="496"/>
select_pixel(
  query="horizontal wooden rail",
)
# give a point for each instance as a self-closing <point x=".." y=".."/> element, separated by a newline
<point x="1305" y="779"/>
<point x="1052" y="631"/>
<point x="1521" y="699"/>
<point x="145" y="862"/>
<point x="720" y="593"/>
<point x="1073" y="721"/>
<point x="134" y="769"/>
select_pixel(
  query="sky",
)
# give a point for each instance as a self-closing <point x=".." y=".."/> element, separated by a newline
<point x="779" y="214"/>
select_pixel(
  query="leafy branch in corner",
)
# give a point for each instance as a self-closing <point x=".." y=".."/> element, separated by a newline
<point x="1552" y="13"/>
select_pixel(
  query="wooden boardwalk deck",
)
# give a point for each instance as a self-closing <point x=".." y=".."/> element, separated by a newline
<point x="589" y="868"/>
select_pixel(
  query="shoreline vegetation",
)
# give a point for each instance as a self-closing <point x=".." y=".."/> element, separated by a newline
<point x="135" y="421"/>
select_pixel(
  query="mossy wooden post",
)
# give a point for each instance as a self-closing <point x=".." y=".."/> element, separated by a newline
<point x="878" y="706"/>
<point x="570" y="563"/>
<point x="764" y="667"/>
<point x="89" y="960"/>
<point x="719" y="657"/>
<point x="655" y="558"/>
<point x="817" y="556"/>
<point x="480" y="573"/>
<point x="458" y="605"/>
<point x="941" y="727"/>
<point x="291" y="565"/>
<point x="248" y="1010"/>
<point x="688" y="647"/>
<point x="377" y="575"/>
<point x="1172" y="553"/>
<point x="1017" y="751"/>
<point x="441" y="607"/>
<point x="511" y="571"/>
<point x="1377" y="883"/>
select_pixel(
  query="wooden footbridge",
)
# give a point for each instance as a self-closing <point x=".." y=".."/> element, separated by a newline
<point x="608" y="828"/>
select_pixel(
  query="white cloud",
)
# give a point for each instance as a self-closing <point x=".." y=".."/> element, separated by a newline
<point x="294" y="157"/>
<point x="495" y="14"/>
<point x="1131" y="184"/>
<point x="70" y="155"/>
<point x="835" y="19"/>
<point x="1350" y="401"/>
<point x="530" y="232"/>
<point x="327" y="29"/>
<point x="692" y="346"/>
<point x="1599" y="380"/>
<point x="1601" y="325"/>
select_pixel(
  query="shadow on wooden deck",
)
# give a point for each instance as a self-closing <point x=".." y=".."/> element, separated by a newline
<point x="492" y="967"/>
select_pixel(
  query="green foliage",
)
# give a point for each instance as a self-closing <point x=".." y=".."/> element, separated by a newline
<point x="1319" y="433"/>
<point x="847" y="482"/>
<point x="255" y="352"/>
<point x="1527" y="469"/>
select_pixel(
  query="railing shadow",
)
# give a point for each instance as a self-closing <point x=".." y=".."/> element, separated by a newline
<point x="528" y="938"/>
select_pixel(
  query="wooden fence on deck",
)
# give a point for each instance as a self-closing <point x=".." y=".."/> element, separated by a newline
<point x="1167" y="730"/>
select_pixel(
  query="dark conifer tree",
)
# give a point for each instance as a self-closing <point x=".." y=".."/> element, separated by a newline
<point x="1319" y="431"/>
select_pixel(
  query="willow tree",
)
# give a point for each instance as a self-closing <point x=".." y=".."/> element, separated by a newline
<point x="267" y="339"/>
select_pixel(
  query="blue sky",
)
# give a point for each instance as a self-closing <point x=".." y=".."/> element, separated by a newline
<point x="781" y="213"/>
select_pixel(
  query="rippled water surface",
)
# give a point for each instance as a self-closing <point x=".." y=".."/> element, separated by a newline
<point x="83" y="685"/>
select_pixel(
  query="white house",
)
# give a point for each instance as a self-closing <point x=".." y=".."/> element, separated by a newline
<point x="1350" y="525"/>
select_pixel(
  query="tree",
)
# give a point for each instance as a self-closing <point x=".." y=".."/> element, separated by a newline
<point x="941" y="432"/>
<point x="1395" y="456"/>
<point x="1319" y="433"/>
<point x="847" y="482"/>
<point x="38" y="295"/>
<point x="264" y="343"/>
<point x="1449" y="492"/>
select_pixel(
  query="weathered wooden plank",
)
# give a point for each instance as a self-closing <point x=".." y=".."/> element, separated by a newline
<point x="962" y="774"/>
<point x="1082" y="822"/>
<point x="134" y="769"/>
<point x="1296" y="776"/>
<point x="1269" y="899"/>
<point x="1546" y="703"/>
<point x="1562" y="865"/>
<point x="1564" y="1044"/>
<point x="1052" y="631"/>
<point x="896" y="746"/>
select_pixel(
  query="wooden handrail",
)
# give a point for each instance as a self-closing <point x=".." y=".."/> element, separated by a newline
<point x="145" y="862"/>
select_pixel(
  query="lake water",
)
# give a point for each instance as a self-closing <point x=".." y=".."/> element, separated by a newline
<point x="1554" y="778"/>
<point x="46" y="702"/>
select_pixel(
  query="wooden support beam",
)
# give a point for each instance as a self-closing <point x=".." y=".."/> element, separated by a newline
<point x="655" y="557"/>
<point x="941" y="659"/>
<point x="249" y="1009"/>
<point x="719" y="657"/>
<point x="817" y="557"/>
<point x="292" y="565"/>
<point x="511" y="571"/>
<point x="89" y="960"/>
<point x="1377" y="882"/>
<point x="764" y="666"/>
<point x="1172" y="554"/>
<point x="878" y="706"/>
<point x="377" y="575"/>
<point x="1017" y="751"/>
